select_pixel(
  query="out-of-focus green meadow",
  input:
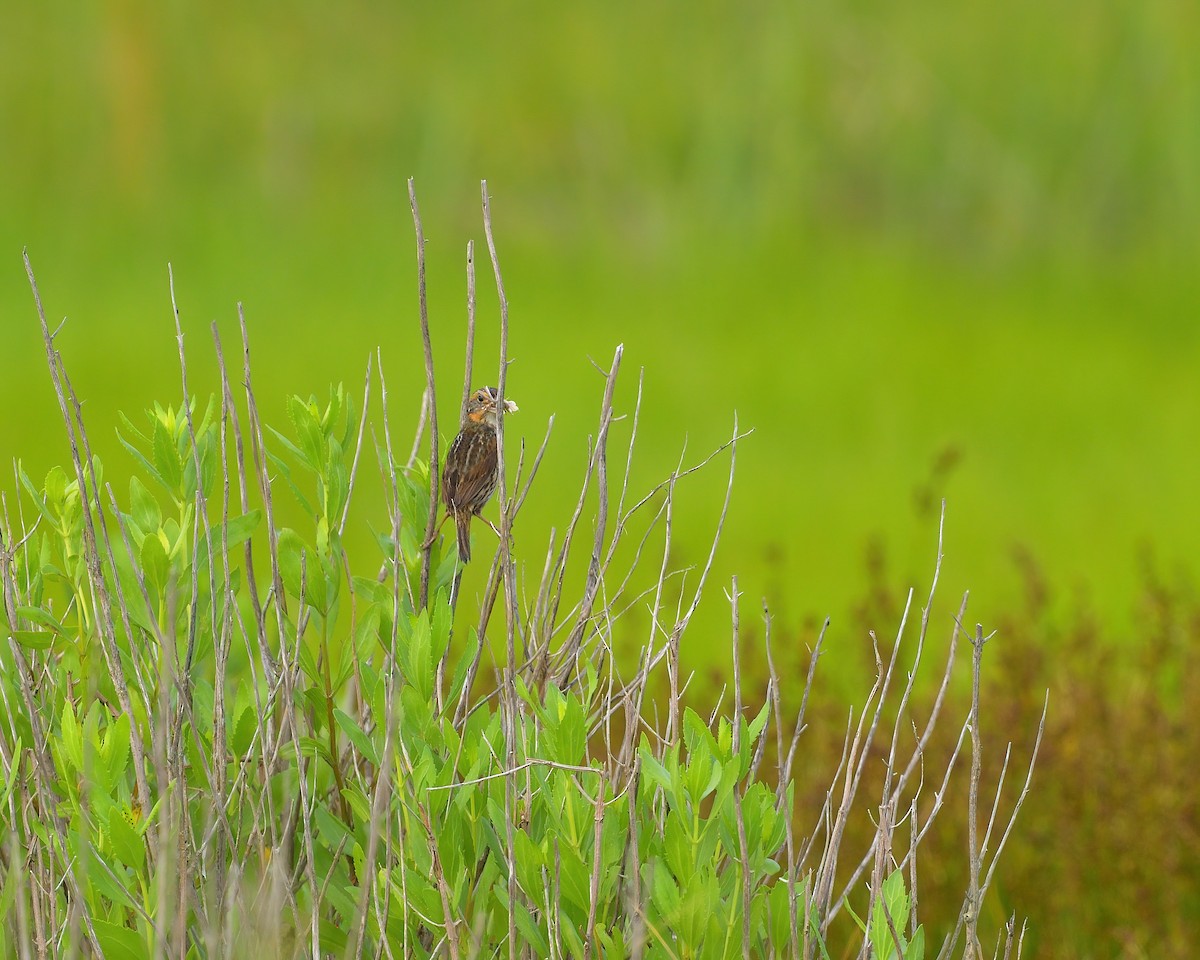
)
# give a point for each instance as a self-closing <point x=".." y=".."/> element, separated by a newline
<point x="923" y="251"/>
<point x="882" y="235"/>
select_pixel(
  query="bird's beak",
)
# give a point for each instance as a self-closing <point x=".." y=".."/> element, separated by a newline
<point x="510" y="407"/>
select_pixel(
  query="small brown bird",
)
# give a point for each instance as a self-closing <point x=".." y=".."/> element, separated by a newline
<point x="471" y="472"/>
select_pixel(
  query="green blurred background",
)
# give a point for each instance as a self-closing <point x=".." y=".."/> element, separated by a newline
<point x="924" y="250"/>
<point x="888" y="236"/>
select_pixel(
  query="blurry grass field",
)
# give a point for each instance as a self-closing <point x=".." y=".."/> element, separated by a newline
<point x="1069" y="417"/>
<point x="923" y="252"/>
<point x="880" y="234"/>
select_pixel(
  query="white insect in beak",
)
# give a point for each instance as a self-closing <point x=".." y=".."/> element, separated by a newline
<point x="510" y="407"/>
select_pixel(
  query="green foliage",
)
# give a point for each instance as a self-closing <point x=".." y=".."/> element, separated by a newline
<point x="370" y="743"/>
<point x="889" y="916"/>
<point x="222" y="737"/>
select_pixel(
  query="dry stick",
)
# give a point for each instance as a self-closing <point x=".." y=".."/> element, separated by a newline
<point x="378" y="800"/>
<point x="574" y="643"/>
<point x="672" y="642"/>
<point x="528" y="637"/>
<point x="892" y="793"/>
<point x="92" y="553"/>
<point x="163" y="775"/>
<point x="462" y="416"/>
<point x="972" y="907"/>
<point x="781" y="788"/>
<point x="470" y="348"/>
<point x="434" y="475"/>
<point x="222" y="642"/>
<point x="913" y="825"/>
<point x="1037" y="745"/>
<point x="786" y="776"/>
<point x="939" y="796"/>
<point x="597" y="859"/>
<point x="743" y="848"/>
<point x="391" y="474"/>
<point x="883" y="849"/>
<point x="258" y="452"/>
<point x="850" y="761"/>
<point x="682" y="622"/>
<point x="140" y="579"/>
<point x="633" y="899"/>
<point x="637" y="410"/>
<point x="243" y="494"/>
<point x="760" y="749"/>
<point x="362" y="423"/>
<point x="568" y="540"/>
<point x="551" y="940"/>
<point x="493" y="587"/>
<point x="509" y="576"/>
<point x="912" y="674"/>
<point x="422" y="419"/>
<point x="260" y="746"/>
<point x="537" y="653"/>
<point x="964" y="915"/>
<point x="280" y="677"/>
<point x="550" y="607"/>
<point x="844" y="811"/>
<point x="439" y="878"/>
<point x="200" y="520"/>
<point x="45" y="778"/>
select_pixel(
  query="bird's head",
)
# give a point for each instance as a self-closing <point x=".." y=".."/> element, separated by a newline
<point x="481" y="406"/>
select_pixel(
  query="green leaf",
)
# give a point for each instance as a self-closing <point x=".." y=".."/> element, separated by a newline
<point x="37" y="498"/>
<point x="337" y="481"/>
<point x="417" y="657"/>
<point x="357" y="736"/>
<point x="14" y="772"/>
<point x="166" y="459"/>
<point x="460" y="671"/>
<point x="132" y="429"/>
<point x="155" y="565"/>
<point x="127" y="844"/>
<point x="241" y="735"/>
<point x="33" y="639"/>
<point x="298" y="566"/>
<point x="118" y="942"/>
<point x="656" y="772"/>
<point x="759" y="722"/>
<point x="115" y="749"/>
<point x="664" y="891"/>
<point x="56" y="486"/>
<point x="241" y="528"/>
<point x="308" y="432"/>
<point x="678" y="848"/>
<point x="40" y="616"/>
<point x="530" y="932"/>
<point x="71" y="738"/>
<point x="440" y="625"/>
<point x="143" y="507"/>
<point x="916" y="946"/>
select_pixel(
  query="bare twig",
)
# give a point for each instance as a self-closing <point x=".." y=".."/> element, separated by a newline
<point x="431" y="393"/>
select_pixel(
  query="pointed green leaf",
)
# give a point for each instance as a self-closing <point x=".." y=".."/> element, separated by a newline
<point x="166" y="459"/>
<point x="143" y="507"/>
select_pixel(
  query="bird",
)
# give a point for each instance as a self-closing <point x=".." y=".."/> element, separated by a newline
<point x="472" y="464"/>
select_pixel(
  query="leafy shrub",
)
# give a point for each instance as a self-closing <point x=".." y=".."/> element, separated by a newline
<point x="223" y="736"/>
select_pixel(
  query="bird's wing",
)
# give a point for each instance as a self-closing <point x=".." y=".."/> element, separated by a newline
<point x="470" y="474"/>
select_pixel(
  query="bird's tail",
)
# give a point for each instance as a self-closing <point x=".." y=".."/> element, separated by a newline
<point x="463" y="522"/>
